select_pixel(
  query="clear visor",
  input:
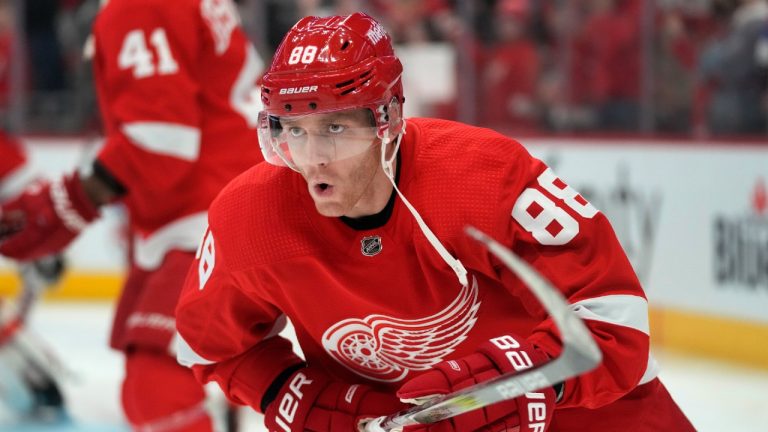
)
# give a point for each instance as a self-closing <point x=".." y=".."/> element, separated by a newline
<point x="316" y="139"/>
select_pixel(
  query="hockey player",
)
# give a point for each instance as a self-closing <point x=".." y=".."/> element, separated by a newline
<point x="175" y="81"/>
<point x="29" y="386"/>
<point x="357" y="237"/>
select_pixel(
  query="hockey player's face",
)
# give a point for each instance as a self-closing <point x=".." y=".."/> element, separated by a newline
<point x="324" y="138"/>
<point x="338" y="155"/>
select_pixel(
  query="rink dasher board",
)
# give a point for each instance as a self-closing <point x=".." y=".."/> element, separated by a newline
<point x="689" y="214"/>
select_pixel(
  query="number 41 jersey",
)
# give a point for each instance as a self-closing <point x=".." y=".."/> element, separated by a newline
<point x="176" y="86"/>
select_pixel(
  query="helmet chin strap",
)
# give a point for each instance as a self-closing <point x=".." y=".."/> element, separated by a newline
<point x="388" y="164"/>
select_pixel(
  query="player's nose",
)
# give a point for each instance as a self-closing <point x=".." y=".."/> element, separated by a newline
<point x="320" y="149"/>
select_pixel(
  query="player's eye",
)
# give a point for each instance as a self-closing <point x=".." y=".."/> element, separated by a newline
<point x="296" y="131"/>
<point x="336" y="128"/>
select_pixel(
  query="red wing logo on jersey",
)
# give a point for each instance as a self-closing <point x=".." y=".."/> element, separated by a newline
<point x="385" y="348"/>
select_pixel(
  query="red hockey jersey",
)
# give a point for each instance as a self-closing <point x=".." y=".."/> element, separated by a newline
<point x="176" y="82"/>
<point x="379" y="306"/>
<point x="12" y="156"/>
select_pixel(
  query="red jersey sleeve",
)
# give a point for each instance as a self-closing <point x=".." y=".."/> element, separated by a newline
<point x="573" y="245"/>
<point x="234" y="335"/>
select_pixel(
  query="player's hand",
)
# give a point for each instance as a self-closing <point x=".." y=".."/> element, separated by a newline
<point x="45" y="218"/>
<point x="500" y="355"/>
<point x="310" y="401"/>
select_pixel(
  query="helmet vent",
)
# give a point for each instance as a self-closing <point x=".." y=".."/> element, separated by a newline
<point x="355" y="88"/>
<point x="345" y="45"/>
<point x="355" y="83"/>
<point x="344" y="83"/>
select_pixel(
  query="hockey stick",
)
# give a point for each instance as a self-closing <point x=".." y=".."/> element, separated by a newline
<point x="580" y="354"/>
<point x="36" y="277"/>
<point x="30" y="369"/>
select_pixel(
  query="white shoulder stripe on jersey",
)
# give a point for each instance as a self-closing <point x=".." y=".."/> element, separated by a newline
<point x="245" y="97"/>
<point x="186" y="356"/>
<point x="182" y="234"/>
<point x="651" y="370"/>
<point x="624" y="310"/>
<point x="170" y="139"/>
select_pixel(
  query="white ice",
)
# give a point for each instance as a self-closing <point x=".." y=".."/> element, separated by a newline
<point x="715" y="396"/>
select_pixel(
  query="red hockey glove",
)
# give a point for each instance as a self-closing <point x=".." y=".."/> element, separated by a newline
<point x="45" y="218"/>
<point x="310" y="401"/>
<point x="531" y="412"/>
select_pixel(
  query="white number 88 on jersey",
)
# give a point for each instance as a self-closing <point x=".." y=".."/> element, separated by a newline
<point x="548" y="223"/>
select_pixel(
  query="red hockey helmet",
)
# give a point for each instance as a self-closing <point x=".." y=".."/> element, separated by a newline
<point x="332" y="64"/>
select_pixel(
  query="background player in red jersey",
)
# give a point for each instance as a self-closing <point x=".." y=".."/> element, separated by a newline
<point x="360" y="243"/>
<point x="28" y="381"/>
<point x="175" y="82"/>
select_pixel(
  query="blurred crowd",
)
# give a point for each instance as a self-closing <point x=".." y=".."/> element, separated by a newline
<point x="694" y="68"/>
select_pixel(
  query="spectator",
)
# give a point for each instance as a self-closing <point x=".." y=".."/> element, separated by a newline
<point x="416" y="21"/>
<point x="674" y="64"/>
<point x="7" y="41"/>
<point x="730" y="73"/>
<point x="508" y="81"/>
<point x="607" y="56"/>
<point x="46" y="61"/>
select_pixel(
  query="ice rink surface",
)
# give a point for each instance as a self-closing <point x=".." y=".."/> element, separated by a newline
<point x="716" y="397"/>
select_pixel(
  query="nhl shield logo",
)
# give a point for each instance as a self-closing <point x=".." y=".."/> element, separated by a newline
<point x="370" y="246"/>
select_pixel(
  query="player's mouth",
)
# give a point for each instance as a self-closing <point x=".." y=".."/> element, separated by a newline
<point x="322" y="190"/>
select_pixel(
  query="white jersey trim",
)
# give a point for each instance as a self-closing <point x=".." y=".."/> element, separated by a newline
<point x="624" y="310"/>
<point x="15" y="181"/>
<point x="168" y="139"/>
<point x="186" y="356"/>
<point x="183" y="234"/>
<point x="245" y="96"/>
<point x="651" y="370"/>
